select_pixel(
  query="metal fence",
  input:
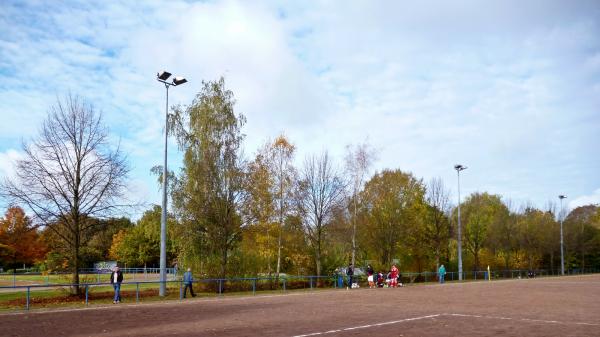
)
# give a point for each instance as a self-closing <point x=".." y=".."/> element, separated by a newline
<point x="136" y="290"/>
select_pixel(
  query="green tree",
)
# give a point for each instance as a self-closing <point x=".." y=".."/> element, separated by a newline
<point x="580" y="232"/>
<point x="98" y="247"/>
<point x="437" y="224"/>
<point x="260" y="208"/>
<point x="503" y="237"/>
<point x="531" y="225"/>
<point x="140" y="245"/>
<point x="394" y="202"/>
<point x="210" y="187"/>
<point x="479" y="212"/>
<point x="271" y="178"/>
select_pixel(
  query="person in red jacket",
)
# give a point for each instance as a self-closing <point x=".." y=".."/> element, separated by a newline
<point x="394" y="276"/>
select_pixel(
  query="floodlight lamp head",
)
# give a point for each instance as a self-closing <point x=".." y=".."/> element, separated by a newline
<point x="459" y="167"/>
<point x="562" y="196"/>
<point x="179" y="80"/>
<point x="163" y="75"/>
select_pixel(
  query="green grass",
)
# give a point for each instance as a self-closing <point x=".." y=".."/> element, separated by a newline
<point x="8" y="280"/>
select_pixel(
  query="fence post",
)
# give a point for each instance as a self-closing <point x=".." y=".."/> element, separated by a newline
<point x="86" y="294"/>
<point x="28" y="297"/>
<point x="220" y="287"/>
<point x="310" y="280"/>
<point x="284" y="285"/>
<point x="254" y="286"/>
<point x="181" y="290"/>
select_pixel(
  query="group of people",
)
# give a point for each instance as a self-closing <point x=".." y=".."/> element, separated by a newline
<point x="391" y="279"/>
<point x="376" y="280"/>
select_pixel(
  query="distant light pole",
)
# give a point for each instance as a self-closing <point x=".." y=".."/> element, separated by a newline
<point x="459" y="168"/>
<point x="562" y="257"/>
<point x="162" y="77"/>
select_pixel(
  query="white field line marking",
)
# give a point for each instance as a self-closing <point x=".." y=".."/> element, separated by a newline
<point x="522" y="319"/>
<point x="367" y="326"/>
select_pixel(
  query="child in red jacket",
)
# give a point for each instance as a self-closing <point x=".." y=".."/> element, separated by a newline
<point x="394" y="276"/>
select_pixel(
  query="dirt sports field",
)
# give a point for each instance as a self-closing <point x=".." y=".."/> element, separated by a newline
<point x="557" y="306"/>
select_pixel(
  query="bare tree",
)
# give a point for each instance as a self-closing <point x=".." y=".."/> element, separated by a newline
<point x="69" y="174"/>
<point x="321" y="191"/>
<point x="358" y="160"/>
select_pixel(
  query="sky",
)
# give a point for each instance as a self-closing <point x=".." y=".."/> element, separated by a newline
<point x="510" y="89"/>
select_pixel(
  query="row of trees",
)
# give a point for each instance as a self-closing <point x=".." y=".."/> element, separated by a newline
<point x="237" y="216"/>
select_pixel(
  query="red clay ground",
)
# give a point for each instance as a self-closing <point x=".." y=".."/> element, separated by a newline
<point x="566" y="306"/>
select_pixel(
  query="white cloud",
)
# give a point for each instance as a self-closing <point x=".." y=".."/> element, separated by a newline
<point x="8" y="160"/>
<point x="583" y="200"/>
<point x="509" y="89"/>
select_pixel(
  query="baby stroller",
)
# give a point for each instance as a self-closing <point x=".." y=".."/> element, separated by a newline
<point x="380" y="280"/>
<point x="399" y="278"/>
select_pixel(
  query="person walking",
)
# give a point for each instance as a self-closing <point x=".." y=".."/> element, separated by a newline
<point x="116" y="277"/>
<point x="188" y="280"/>
<point x="441" y="273"/>
<point x="350" y="273"/>
<point x="370" y="276"/>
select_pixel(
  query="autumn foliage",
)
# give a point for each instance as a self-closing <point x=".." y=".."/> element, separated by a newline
<point x="20" y="243"/>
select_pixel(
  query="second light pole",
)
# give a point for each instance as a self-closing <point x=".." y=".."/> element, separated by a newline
<point x="459" y="168"/>
<point x="162" y="77"/>
<point x="562" y="256"/>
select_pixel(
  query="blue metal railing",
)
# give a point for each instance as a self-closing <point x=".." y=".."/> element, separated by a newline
<point x="283" y="283"/>
<point x="280" y="284"/>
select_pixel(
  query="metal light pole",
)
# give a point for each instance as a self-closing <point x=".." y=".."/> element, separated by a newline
<point x="162" y="77"/>
<point x="562" y="257"/>
<point x="459" y="168"/>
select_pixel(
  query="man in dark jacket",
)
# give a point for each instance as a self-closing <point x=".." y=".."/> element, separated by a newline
<point x="350" y="273"/>
<point x="188" y="279"/>
<point x="116" y="277"/>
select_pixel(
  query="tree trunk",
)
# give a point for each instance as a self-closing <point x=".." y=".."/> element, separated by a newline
<point x="75" y="280"/>
<point x="269" y="258"/>
<point x="318" y="259"/>
<point x="354" y="235"/>
<point x="279" y="251"/>
<point x="223" y="269"/>
<point x="280" y="216"/>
